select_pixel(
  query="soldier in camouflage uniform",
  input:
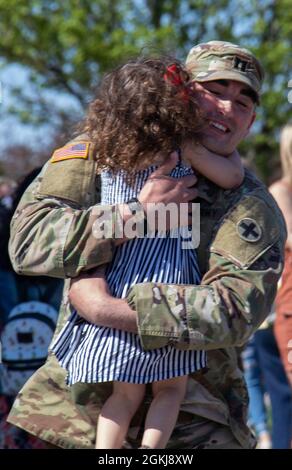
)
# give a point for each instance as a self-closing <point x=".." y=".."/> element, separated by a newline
<point x="240" y="256"/>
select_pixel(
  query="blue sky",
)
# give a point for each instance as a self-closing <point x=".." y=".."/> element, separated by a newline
<point x="12" y="131"/>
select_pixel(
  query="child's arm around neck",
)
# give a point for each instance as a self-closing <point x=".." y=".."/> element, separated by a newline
<point x="227" y="172"/>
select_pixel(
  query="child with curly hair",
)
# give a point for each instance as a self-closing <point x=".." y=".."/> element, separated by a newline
<point x="143" y="111"/>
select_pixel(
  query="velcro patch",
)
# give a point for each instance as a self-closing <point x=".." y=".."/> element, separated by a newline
<point x="76" y="150"/>
<point x="248" y="231"/>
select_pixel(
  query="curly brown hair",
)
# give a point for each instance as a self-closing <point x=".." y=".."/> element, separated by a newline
<point x="141" y="109"/>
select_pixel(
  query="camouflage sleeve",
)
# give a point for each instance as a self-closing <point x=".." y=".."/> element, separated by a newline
<point x="52" y="230"/>
<point x="235" y="295"/>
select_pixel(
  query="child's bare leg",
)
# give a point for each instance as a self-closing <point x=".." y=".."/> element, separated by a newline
<point x="163" y="411"/>
<point x="116" y="414"/>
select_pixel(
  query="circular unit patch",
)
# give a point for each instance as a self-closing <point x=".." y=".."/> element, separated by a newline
<point x="249" y="230"/>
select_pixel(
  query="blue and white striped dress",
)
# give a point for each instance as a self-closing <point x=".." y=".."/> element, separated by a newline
<point x="93" y="353"/>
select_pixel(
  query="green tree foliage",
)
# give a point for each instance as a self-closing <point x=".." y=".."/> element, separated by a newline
<point x="270" y="36"/>
<point x="65" y="45"/>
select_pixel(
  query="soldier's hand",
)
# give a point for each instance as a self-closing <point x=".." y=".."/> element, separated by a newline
<point x="164" y="189"/>
<point x="160" y="187"/>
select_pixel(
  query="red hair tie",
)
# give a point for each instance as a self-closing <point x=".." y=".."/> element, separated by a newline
<point x="177" y="77"/>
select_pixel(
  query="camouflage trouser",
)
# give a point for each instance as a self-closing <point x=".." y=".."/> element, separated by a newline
<point x="199" y="435"/>
<point x="47" y="408"/>
<point x="206" y="435"/>
<point x="217" y="438"/>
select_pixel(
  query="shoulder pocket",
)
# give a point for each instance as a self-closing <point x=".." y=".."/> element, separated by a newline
<point x="247" y="232"/>
<point x="70" y="179"/>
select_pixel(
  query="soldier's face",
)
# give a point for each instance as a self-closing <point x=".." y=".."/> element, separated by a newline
<point x="229" y="111"/>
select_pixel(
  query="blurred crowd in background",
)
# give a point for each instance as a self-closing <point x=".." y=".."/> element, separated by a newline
<point x="28" y="315"/>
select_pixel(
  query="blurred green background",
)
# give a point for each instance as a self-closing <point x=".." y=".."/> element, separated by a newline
<point x="59" y="49"/>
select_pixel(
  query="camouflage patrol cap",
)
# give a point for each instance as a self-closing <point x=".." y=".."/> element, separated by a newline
<point x="217" y="60"/>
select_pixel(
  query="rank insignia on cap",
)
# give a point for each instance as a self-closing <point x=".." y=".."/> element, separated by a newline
<point x="78" y="150"/>
<point x="249" y="230"/>
<point x="240" y="64"/>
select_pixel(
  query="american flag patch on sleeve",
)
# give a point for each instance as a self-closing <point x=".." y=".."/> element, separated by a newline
<point x="78" y="150"/>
